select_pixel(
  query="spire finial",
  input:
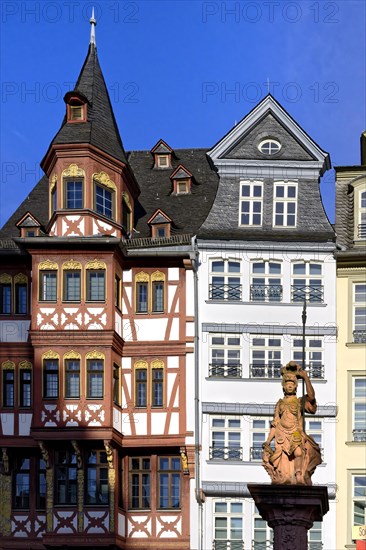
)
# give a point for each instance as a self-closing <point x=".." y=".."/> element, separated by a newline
<point x="93" y="23"/>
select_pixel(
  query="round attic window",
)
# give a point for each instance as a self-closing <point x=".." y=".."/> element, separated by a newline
<point x="269" y="146"/>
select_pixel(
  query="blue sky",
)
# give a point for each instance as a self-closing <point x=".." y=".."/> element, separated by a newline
<point x="184" y="71"/>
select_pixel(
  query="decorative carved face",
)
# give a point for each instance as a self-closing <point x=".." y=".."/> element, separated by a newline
<point x="289" y="387"/>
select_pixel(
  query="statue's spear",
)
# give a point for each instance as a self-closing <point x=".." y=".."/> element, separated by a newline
<point x="303" y="356"/>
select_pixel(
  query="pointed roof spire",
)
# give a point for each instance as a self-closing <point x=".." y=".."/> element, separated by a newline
<point x="100" y="129"/>
<point x="93" y="24"/>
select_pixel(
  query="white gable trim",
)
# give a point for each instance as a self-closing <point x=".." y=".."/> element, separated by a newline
<point x="268" y="104"/>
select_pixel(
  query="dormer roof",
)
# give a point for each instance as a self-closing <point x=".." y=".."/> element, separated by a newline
<point x="159" y="217"/>
<point x="28" y="221"/>
<point x="161" y="148"/>
<point x="180" y="173"/>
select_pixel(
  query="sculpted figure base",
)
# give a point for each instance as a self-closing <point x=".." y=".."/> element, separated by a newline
<point x="295" y="454"/>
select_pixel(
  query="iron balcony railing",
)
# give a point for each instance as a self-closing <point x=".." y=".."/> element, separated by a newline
<point x="359" y="336"/>
<point x="362" y="231"/>
<point x="263" y="545"/>
<point x="226" y="453"/>
<point x="228" y="545"/>
<point x="224" y="371"/>
<point x="359" y="435"/>
<point x="256" y="453"/>
<point x="266" y="293"/>
<point x="310" y="293"/>
<point x="229" y="292"/>
<point x="263" y="370"/>
<point x="268" y="545"/>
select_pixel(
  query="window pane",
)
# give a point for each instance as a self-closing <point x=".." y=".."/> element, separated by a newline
<point x="95" y="378"/>
<point x="141" y="297"/>
<point x="158" y="297"/>
<point x="5" y="298"/>
<point x="25" y="388"/>
<point x="50" y="378"/>
<point x="49" y="286"/>
<point x="21" y="298"/>
<point x="315" y="269"/>
<point x="72" y="286"/>
<point x="103" y="201"/>
<point x="96" y="286"/>
<point x="218" y="266"/>
<point x="234" y="267"/>
<point x="74" y="194"/>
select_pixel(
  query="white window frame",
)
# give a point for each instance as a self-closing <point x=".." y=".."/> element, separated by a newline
<point x="359" y="402"/>
<point x="234" y="511"/>
<point x="270" y="367"/>
<point x="163" y="158"/>
<point x="271" y="142"/>
<point x="313" y="289"/>
<point x="358" y="498"/>
<point x="315" y="428"/>
<point x="225" y="356"/>
<point x="315" y="536"/>
<point x="260" y="428"/>
<point x="358" y="304"/>
<point x="262" y="292"/>
<point x="261" y="526"/>
<point x="231" y="446"/>
<point x="286" y="200"/>
<point x="231" y="288"/>
<point x="252" y="200"/>
<point x="314" y="364"/>
<point x="360" y="211"/>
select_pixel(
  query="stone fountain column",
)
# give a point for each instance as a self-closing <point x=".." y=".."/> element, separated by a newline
<point x="291" y="511"/>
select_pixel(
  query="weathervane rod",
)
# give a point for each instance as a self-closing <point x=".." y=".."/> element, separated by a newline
<point x="93" y="23"/>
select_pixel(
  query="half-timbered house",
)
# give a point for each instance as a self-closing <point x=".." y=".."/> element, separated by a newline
<point x="96" y="339"/>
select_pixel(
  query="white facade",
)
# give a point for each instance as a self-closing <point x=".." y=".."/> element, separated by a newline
<point x="237" y="405"/>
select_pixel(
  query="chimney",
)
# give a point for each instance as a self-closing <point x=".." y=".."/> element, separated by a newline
<point x="363" y="148"/>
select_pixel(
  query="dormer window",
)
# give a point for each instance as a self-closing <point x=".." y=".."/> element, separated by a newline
<point x="183" y="186"/>
<point x="182" y="181"/>
<point x="163" y="161"/>
<point x="162" y="155"/>
<point x="76" y="112"/>
<point x="75" y="107"/>
<point x="359" y="223"/>
<point x="362" y="216"/>
<point x="29" y="226"/>
<point x="160" y="225"/>
<point x="269" y="147"/>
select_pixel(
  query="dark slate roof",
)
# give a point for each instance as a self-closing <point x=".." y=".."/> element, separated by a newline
<point x="36" y="203"/>
<point x="223" y="219"/>
<point x="101" y="129"/>
<point x="345" y="199"/>
<point x="187" y="211"/>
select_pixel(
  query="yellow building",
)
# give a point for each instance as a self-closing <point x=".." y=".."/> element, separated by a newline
<point x="351" y="348"/>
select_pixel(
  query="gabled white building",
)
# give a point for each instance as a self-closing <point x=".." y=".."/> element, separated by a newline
<point x="265" y="246"/>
